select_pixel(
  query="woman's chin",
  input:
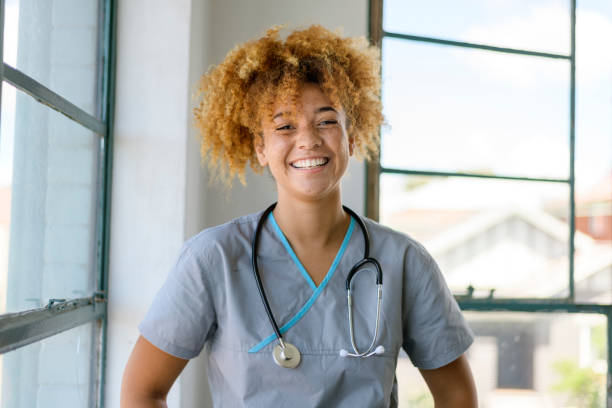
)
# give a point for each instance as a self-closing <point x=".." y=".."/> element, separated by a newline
<point x="313" y="192"/>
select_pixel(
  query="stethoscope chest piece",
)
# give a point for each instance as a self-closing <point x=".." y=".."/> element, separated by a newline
<point x="288" y="358"/>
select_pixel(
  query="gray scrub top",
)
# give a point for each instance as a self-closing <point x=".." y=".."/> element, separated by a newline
<point x="210" y="299"/>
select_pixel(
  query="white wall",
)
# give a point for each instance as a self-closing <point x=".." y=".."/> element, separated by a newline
<point x="149" y="172"/>
<point x="160" y="195"/>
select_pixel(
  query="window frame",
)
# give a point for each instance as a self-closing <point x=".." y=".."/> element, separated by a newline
<point x="29" y="326"/>
<point x="374" y="170"/>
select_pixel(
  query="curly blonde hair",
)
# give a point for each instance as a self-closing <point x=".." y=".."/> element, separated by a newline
<point x="235" y="96"/>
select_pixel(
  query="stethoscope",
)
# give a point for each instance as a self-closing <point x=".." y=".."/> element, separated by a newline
<point x="286" y="354"/>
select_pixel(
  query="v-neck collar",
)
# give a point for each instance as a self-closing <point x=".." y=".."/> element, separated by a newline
<point x="316" y="289"/>
<point x="299" y="265"/>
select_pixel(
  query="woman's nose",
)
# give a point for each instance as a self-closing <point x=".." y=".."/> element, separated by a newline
<point x="309" y="138"/>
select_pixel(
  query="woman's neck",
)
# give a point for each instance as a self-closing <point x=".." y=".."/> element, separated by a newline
<point x="312" y="224"/>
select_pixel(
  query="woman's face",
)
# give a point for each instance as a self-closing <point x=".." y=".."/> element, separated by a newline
<point x="306" y="150"/>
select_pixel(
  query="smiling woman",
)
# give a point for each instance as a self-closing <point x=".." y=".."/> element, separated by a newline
<point x="270" y="70"/>
<point x="306" y="150"/>
<point x="300" y="107"/>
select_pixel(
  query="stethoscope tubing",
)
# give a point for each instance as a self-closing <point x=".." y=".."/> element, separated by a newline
<point x="366" y="259"/>
<point x="350" y="319"/>
<point x="262" y="293"/>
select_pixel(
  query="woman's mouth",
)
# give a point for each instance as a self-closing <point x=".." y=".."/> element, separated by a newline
<point x="310" y="163"/>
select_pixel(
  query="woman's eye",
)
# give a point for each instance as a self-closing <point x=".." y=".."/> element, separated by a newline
<point x="329" y="122"/>
<point x="284" y="127"/>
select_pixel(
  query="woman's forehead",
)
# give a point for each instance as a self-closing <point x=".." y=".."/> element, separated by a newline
<point x="308" y="98"/>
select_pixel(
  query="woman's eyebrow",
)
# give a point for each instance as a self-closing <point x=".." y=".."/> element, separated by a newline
<point x="320" y="110"/>
<point x="326" y="109"/>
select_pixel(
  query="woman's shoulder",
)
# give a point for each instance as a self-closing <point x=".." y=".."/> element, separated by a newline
<point x="389" y="238"/>
<point x="401" y="249"/>
<point x="231" y="233"/>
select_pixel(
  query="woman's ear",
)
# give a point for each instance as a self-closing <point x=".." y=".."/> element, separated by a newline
<point x="351" y="138"/>
<point x="258" y="145"/>
<point x="351" y="141"/>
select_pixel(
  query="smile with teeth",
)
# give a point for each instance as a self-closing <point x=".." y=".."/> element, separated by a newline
<point x="310" y="163"/>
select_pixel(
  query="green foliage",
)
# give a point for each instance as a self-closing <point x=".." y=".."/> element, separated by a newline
<point x="585" y="387"/>
<point x="598" y="341"/>
<point x="415" y="182"/>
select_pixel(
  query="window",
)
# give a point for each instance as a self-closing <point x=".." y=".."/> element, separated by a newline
<point x="55" y="144"/>
<point x="498" y="158"/>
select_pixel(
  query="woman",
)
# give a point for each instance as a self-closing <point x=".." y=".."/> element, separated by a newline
<point x="299" y="107"/>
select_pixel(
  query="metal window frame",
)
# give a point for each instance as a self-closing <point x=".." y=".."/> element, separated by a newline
<point x="26" y="327"/>
<point x="53" y="100"/>
<point x="22" y="328"/>
<point x="374" y="170"/>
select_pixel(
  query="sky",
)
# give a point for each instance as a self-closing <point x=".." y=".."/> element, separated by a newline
<point x="464" y="110"/>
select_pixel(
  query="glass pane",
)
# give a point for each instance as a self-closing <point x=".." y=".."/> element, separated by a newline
<point x="48" y="167"/>
<point x="56" y="43"/>
<point x="54" y="372"/>
<point x="527" y="360"/>
<point x="461" y="110"/>
<point x="542" y="25"/>
<point x="593" y="271"/>
<point x="505" y="238"/>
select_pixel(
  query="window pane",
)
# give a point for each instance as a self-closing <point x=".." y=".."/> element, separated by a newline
<point x="56" y="43"/>
<point x="593" y="272"/>
<point x="542" y="25"/>
<point x="527" y="360"/>
<point x="48" y="187"/>
<point x="463" y="110"/>
<point x="54" y="372"/>
<point x="508" y="237"/>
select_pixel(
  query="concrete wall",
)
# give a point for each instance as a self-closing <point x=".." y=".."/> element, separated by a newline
<point x="160" y="193"/>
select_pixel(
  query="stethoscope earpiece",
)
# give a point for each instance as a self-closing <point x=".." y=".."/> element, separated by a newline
<point x="378" y="351"/>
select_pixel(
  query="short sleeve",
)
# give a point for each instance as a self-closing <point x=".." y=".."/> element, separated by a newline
<point x="435" y="331"/>
<point x="182" y="315"/>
